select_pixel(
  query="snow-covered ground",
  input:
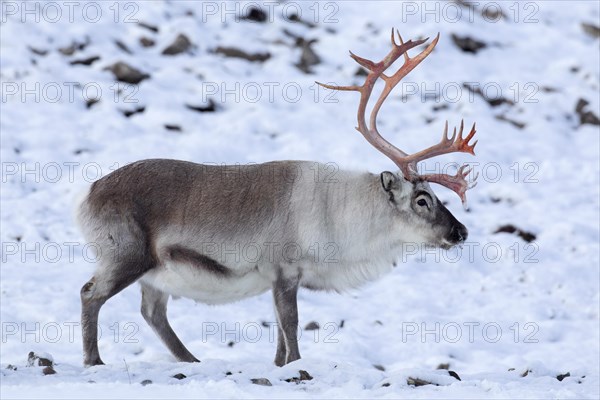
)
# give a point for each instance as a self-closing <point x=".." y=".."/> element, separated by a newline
<point x="507" y="315"/>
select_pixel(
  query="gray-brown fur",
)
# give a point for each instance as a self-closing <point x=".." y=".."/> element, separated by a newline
<point x="172" y="224"/>
<point x="189" y="256"/>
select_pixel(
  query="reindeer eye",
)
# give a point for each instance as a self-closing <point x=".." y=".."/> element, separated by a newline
<point x="422" y="202"/>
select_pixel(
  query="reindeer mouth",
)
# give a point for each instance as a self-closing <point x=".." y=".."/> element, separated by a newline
<point x="446" y="245"/>
<point x="457" y="237"/>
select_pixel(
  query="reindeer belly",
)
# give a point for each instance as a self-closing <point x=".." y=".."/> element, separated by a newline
<point x="205" y="283"/>
<point x="344" y="275"/>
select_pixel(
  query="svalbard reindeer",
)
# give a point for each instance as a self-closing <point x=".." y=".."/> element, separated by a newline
<point x="184" y="229"/>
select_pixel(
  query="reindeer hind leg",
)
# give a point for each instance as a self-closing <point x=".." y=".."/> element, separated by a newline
<point x="154" y="311"/>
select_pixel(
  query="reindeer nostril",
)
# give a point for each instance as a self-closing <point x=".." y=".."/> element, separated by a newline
<point x="459" y="233"/>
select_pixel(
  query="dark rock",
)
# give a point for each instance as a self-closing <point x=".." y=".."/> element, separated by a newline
<point x="494" y="102"/>
<point x="419" y="382"/>
<point x="454" y="375"/>
<point x="145" y="25"/>
<point x="137" y="110"/>
<point x="308" y="57"/>
<point x="228" y="373"/>
<point x="256" y="15"/>
<point x="123" y="47"/>
<point x="468" y="44"/>
<point x="237" y="53"/>
<point x="493" y="14"/>
<point x="295" y="18"/>
<point x="11" y="367"/>
<point x="591" y="30"/>
<point x="379" y="367"/>
<point x="85" y="61"/>
<point x="73" y="47"/>
<point x="585" y="116"/>
<point x="440" y="107"/>
<point x="210" y="107"/>
<point x="231" y="344"/>
<point x="360" y="71"/>
<point x="179" y="376"/>
<point x="387" y="384"/>
<point x="35" y="360"/>
<point x="509" y="228"/>
<point x="261" y="381"/>
<point x="304" y="376"/>
<point x="146" y="42"/>
<point x="549" y="89"/>
<point x="126" y="73"/>
<point x="443" y="366"/>
<point x="91" y="101"/>
<point x="524" y="374"/>
<point x="67" y="51"/>
<point x="171" y="127"/>
<point x="146" y="382"/>
<point x="465" y="4"/>
<point x="311" y="326"/>
<point x="342" y="322"/>
<point x="516" y="124"/>
<point x="181" y="44"/>
<point x="48" y="370"/>
<point x="560" y="377"/>
<point x="38" y="52"/>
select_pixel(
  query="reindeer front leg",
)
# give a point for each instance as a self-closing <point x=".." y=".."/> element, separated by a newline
<point x="281" y="351"/>
<point x="285" y="293"/>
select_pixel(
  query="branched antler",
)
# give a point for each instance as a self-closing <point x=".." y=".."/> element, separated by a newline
<point x="407" y="163"/>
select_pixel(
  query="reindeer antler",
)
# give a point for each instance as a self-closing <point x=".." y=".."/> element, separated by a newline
<point x="407" y="163"/>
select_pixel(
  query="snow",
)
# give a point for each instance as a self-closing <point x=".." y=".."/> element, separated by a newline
<point x="494" y="310"/>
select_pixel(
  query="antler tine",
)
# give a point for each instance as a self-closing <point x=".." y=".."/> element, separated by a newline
<point x="445" y="137"/>
<point x="401" y="43"/>
<point x="368" y="64"/>
<point x="342" y="88"/>
<point x="456" y="183"/>
<point x="454" y="144"/>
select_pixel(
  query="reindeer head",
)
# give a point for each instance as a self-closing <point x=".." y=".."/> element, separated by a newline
<point x="408" y="192"/>
<point x="420" y="217"/>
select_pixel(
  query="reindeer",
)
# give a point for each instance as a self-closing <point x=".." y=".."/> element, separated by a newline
<point x="173" y="226"/>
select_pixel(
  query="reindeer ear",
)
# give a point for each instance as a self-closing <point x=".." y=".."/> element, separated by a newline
<point x="389" y="180"/>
